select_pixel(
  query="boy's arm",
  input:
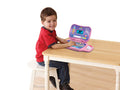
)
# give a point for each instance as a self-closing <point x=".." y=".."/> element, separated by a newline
<point x="59" y="45"/>
<point x="61" y="40"/>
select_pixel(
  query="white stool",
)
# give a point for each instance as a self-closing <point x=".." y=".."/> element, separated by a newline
<point x="36" y="67"/>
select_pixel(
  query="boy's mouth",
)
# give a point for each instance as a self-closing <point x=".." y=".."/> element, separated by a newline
<point x="52" y="27"/>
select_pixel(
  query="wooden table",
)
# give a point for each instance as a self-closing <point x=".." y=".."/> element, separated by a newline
<point x="106" y="54"/>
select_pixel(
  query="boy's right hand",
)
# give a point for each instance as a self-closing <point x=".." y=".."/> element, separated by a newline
<point x="71" y="43"/>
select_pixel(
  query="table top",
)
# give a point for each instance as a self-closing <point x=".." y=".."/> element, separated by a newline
<point x="105" y="52"/>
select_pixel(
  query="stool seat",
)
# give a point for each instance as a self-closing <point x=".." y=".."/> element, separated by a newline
<point x="36" y="67"/>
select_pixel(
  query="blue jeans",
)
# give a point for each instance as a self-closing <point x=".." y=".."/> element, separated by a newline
<point x="62" y="70"/>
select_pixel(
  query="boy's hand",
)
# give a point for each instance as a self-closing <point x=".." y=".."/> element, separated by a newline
<point x="61" y="40"/>
<point x="64" y="41"/>
<point x="71" y="43"/>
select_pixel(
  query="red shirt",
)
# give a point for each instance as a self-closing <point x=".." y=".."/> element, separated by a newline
<point x="46" y="39"/>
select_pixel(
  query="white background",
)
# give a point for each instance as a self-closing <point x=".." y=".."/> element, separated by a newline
<point x="20" y="27"/>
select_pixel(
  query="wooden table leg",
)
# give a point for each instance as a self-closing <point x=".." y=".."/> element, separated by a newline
<point x="46" y="60"/>
<point x="117" y="79"/>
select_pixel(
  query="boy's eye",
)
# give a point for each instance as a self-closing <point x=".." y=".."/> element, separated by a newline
<point x="54" y="20"/>
<point x="48" y="21"/>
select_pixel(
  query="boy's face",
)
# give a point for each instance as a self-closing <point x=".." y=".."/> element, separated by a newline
<point x="50" y="22"/>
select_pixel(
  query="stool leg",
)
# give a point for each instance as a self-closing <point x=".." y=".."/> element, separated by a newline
<point x="32" y="80"/>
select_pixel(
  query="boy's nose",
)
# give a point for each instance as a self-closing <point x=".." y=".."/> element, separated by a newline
<point x="52" y="23"/>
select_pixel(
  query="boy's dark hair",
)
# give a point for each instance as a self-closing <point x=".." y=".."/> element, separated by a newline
<point x="48" y="11"/>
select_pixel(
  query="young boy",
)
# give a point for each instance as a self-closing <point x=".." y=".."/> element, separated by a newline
<point x="49" y="39"/>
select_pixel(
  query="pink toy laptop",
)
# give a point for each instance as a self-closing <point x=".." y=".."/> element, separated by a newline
<point x="80" y="35"/>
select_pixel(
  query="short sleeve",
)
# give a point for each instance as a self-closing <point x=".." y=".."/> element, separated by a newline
<point x="49" y="39"/>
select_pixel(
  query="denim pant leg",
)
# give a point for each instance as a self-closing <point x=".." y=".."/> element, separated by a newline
<point x="62" y="70"/>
